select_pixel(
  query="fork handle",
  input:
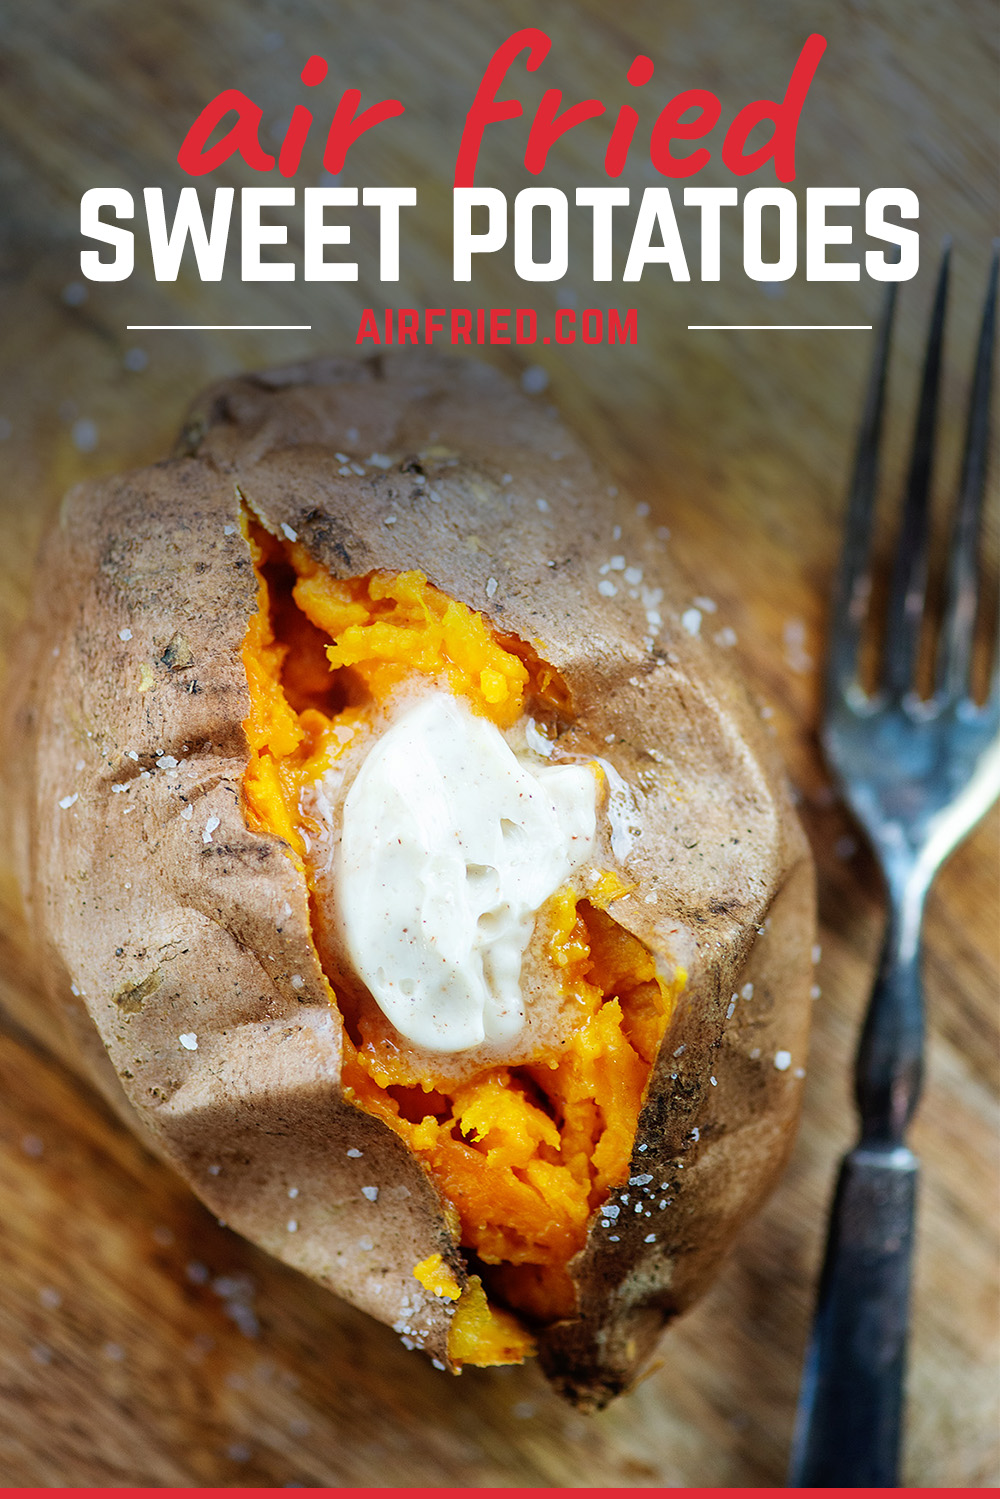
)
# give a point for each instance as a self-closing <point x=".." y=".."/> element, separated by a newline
<point x="850" y="1411"/>
<point x="889" y="1068"/>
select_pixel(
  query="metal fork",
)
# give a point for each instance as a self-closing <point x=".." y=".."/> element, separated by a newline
<point x="917" y="774"/>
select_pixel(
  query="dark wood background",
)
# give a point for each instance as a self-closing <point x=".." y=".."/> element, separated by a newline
<point x="141" y="1343"/>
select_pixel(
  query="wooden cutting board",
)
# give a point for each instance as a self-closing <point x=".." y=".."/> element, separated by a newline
<point x="142" y="1343"/>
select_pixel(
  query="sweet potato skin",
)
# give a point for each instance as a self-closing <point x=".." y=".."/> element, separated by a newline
<point x="153" y="900"/>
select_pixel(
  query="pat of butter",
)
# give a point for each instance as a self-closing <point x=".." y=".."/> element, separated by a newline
<point x="450" y="846"/>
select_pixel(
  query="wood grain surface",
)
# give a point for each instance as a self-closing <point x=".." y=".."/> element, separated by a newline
<point x="141" y="1342"/>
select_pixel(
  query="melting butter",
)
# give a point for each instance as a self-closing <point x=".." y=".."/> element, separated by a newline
<point x="451" y="844"/>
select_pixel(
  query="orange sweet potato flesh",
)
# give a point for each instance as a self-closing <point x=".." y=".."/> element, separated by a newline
<point x="523" y="1154"/>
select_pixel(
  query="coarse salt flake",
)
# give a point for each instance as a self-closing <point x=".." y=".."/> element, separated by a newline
<point x="354" y="1153"/>
<point x="186" y="812"/>
<point x="287" y="530"/>
<point x="84" y="434"/>
<point x="365" y="1242"/>
<point x="189" y="1041"/>
<point x="534" y="379"/>
<point x="67" y="801"/>
<point x="691" y="620"/>
<point x="293" y="1192"/>
<point x="606" y="588"/>
<point x="210" y="827"/>
<point x="371" y="1193"/>
<point x="297" y="981"/>
<point x="782" y="1060"/>
<point x="229" y="530"/>
<point x="649" y="1239"/>
<point x="167" y="762"/>
<point x="292" y="1225"/>
<point x="796" y="656"/>
<point x="125" y="634"/>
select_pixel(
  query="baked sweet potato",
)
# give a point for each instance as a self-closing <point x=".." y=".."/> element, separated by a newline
<point x="219" y="644"/>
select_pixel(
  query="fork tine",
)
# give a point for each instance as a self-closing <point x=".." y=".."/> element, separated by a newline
<point x="853" y="586"/>
<point x="955" y="649"/>
<point x="909" y="574"/>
